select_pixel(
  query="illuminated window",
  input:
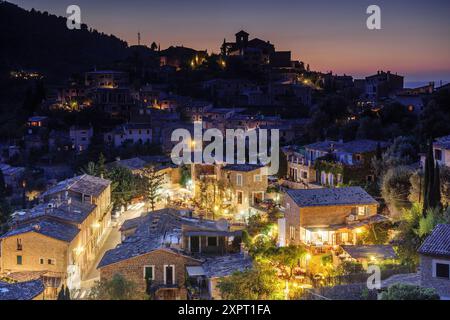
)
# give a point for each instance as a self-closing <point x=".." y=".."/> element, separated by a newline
<point x="292" y="233"/>
<point x="240" y="196"/>
<point x="362" y="211"/>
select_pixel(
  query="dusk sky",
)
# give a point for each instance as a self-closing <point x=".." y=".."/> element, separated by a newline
<point x="329" y="35"/>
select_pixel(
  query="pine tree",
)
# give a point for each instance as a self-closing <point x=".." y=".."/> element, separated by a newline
<point x="101" y="169"/>
<point x="153" y="184"/>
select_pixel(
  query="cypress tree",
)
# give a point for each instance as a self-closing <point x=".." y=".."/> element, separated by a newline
<point x="67" y="293"/>
<point x="379" y="153"/>
<point x="428" y="180"/>
<point x="437" y="187"/>
<point x="62" y="294"/>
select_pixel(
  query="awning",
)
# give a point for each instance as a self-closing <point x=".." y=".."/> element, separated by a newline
<point x="207" y="233"/>
<point x="195" y="271"/>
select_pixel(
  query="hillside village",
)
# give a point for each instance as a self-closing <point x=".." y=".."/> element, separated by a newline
<point x="90" y="197"/>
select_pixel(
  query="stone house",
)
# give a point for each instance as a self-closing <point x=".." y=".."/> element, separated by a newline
<point x="332" y="163"/>
<point x="41" y="246"/>
<point x="300" y="172"/>
<point x="435" y="261"/>
<point x="81" y="137"/>
<point x="326" y="217"/>
<point x="441" y="150"/>
<point x="61" y="236"/>
<point x="13" y="176"/>
<point x="162" y="250"/>
<point x="248" y="184"/>
<point x="130" y="133"/>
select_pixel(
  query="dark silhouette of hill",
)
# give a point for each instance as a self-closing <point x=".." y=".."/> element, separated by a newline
<point x="42" y="42"/>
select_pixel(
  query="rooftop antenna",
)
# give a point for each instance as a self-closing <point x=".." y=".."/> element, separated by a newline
<point x="139" y="38"/>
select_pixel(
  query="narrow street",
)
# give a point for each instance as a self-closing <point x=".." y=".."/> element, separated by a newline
<point x="112" y="240"/>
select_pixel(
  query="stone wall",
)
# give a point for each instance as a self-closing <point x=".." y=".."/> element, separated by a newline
<point x="329" y="215"/>
<point x="442" y="286"/>
<point x="35" y="246"/>
<point x="133" y="269"/>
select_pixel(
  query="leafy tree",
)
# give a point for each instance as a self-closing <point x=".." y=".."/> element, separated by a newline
<point x="185" y="176"/>
<point x="401" y="291"/>
<point x="90" y="169"/>
<point x="417" y="186"/>
<point x="403" y="151"/>
<point x="153" y="185"/>
<point x="445" y="185"/>
<point x="124" y="185"/>
<point x="259" y="283"/>
<point x="117" y="288"/>
<point x="407" y="238"/>
<point x="101" y="169"/>
<point x="428" y="222"/>
<point x="350" y="267"/>
<point x="286" y="258"/>
<point x="395" y="189"/>
<point x="377" y="233"/>
<point x="435" y="117"/>
<point x="416" y="190"/>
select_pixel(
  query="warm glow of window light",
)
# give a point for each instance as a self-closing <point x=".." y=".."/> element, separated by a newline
<point x="359" y="230"/>
<point x="79" y="249"/>
<point x="96" y="225"/>
<point x="308" y="257"/>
